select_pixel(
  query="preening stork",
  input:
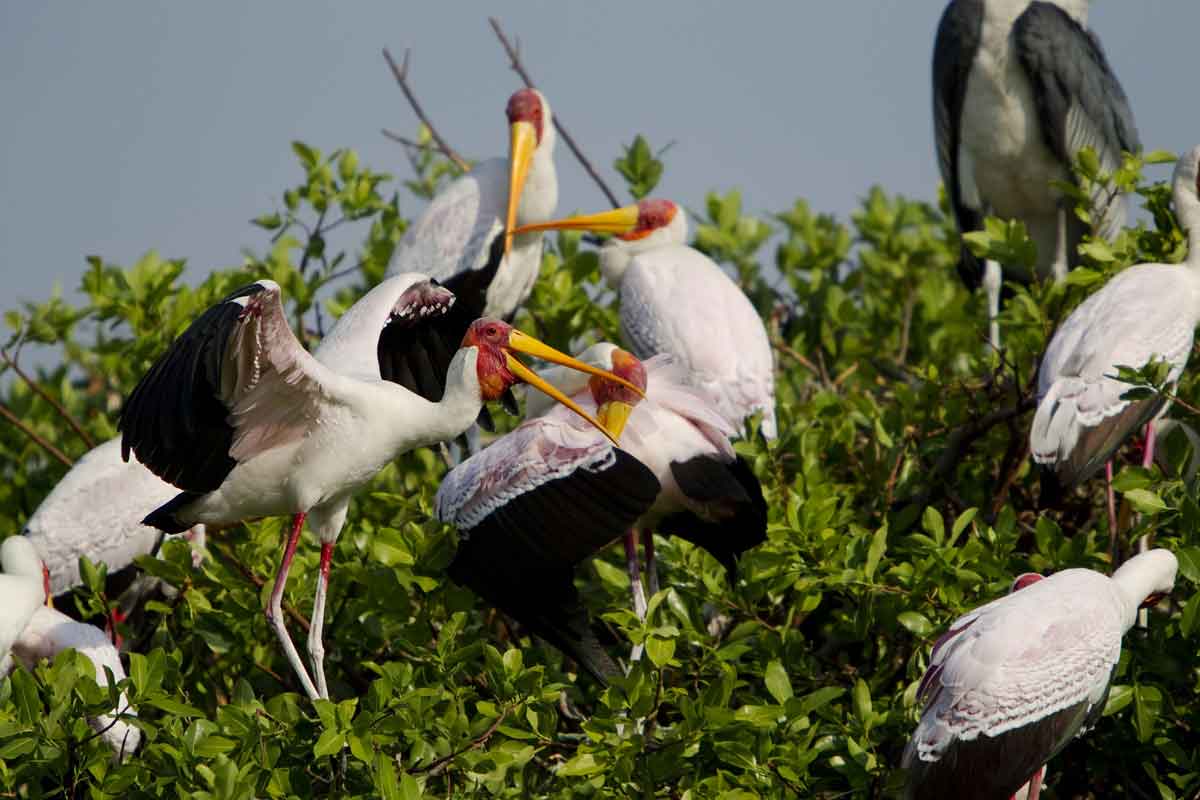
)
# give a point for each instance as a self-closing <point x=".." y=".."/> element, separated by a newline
<point x="709" y="495"/>
<point x="552" y="493"/>
<point x="96" y="510"/>
<point x="675" y="299"/>
<point x="450" y="241"/>
<point x="1147" y="312"/>
<point x="31" y="631"/>
<point x="1019" y="88"/>
<point x="248" y="424"/>
<point x="1012" y="682"/>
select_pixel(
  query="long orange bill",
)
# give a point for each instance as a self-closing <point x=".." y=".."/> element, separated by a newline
<point x="619" y="220"/>
<point x="524" y="343"/>
<point x="522" y="143"/>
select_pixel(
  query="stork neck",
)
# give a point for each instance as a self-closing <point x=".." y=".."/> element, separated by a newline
<point x="460" y="403"/>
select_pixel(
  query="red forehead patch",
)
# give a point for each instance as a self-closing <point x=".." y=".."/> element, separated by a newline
<point x="653" y="215"/>
<point x="1023" y="580"/>
<point x="526" y="106"/>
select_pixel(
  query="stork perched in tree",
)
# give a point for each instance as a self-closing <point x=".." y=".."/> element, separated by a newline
<point x="31" y="631"/>
<point x="450" y="241"/>
<point x="1145" y="313"/>
<point x="1012" y="682"/>
<point x="249" y="424"/>
<point x="551" y="494"/>
<point x="1019" y="88"/>
<point x="96" y="510"/>
<point x="675" y="299"/>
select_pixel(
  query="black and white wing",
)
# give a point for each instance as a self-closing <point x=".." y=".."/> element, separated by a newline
<point x="1079" y="100"/>
<point x="954" y="51"/>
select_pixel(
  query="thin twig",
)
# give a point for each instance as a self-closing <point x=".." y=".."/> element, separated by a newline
<point x="515" y="62"/>
<point x="400" y="73"/>
<point x="42" y="393"/>
<point x="799" y="357"/>
<point x="436" y="767"/>
<point x="32" y="434"/>
<point x="407" y="142"/>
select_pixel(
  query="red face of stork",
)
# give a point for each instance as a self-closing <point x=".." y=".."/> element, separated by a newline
<point x="1023" y="580"/>
<point x="628" y="223"/>
<point x="615" y="402"/>
<point x="527" y="119"/>
<point x="498" y="369"/>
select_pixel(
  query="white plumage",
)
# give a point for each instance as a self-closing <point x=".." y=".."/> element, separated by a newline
<point x="96" y="510"/>
<point x="452" y="236"/>
<point x="1041" y="657"/>
<point x="1147" y="312"/>
<point x="30" y="631"/>
<point x="249" y="424"/>
<point x="676" y="300"/>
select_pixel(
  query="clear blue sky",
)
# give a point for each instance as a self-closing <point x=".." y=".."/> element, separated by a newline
<point x="130" y="127"/>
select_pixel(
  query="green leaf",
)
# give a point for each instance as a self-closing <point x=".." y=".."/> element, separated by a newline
<point x="1189" y="563"/>
<point x="777" y="681"/>
<point x="330" y="742"/>
<point x="915" y="622"/>
<point x="660" y="650"/>
<point x="1145" y="501"/>
<point x="876" y="551"/>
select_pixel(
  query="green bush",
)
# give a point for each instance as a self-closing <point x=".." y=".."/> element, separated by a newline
<point x="901" y="495"/>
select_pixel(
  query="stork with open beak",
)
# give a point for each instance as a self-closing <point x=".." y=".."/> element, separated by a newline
<point x="551" y="494"/>
<point x="674" y="299"/>
<point x="1011" y="683"/>
<point x="248" y="424"/>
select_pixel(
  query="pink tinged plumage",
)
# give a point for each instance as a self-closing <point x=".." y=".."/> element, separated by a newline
<point x="1013" y="681"/>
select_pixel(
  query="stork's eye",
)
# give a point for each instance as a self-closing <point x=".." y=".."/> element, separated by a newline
<point x="491" y="331"/>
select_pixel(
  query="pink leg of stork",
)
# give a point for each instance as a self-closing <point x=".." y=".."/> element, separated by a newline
<point x="651" y="562"/>
<point x="316" y="645"/>
<point x="635" y="584"/>
<point x="275" y="608"/>
<point x="1035" y="784"/>
<point x="1112" y="516"/>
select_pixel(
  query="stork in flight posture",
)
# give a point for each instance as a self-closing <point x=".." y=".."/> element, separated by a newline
<point x="31" y="631"/>
<point x="1019" y="88"/>
<point x="96" y="510"/>
<point x="1147" y="312"/>
<point x="248" y="424"/>
<point x="552" y="493"/>
<point x="675" y="299"/>
<point x="450" y="241"/>
<point x="1012" y="682"/>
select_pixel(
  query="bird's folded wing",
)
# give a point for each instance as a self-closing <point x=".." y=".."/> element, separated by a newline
<point x="1080" y="102"/>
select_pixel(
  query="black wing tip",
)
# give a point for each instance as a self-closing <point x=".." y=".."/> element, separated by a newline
<point x="164" y="517"/>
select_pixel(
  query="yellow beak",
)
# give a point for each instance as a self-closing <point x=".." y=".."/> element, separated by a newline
<point x="522" y="143"/>
<point x="613" y="415"/>
<point x="619" y="220"/>
<point x="525" y="343"/>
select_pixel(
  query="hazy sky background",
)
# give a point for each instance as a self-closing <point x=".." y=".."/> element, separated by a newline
<point x="131" y="127"/>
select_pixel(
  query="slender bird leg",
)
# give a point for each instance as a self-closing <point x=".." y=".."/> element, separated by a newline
<point x="275" y="609"/>
<point x="1061" y="257"/>
<point x="1147" y="461"/>
<point x="316" y="645"/>
<point x="651" y="562"/>
<point x="1035" y="784"/>
<point x="1112" y="515"/>
<point x="635" y="585"/>
<point x="992" y="281"/>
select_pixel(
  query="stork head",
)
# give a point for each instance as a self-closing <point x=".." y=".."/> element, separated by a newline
<point x="1147" y="578"/>
<point x="531" y="129"/>
<point x="614" y="401"/>
<point x="635" y="229"/>
<point x="498" y="368"/>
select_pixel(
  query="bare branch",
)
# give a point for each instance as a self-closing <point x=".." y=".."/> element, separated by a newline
<point x="407" y="142"/>
<point x="42" y="393"/>
<point x="515" y="62"/>
<point x="37" y="439"/>
<point x="436" y="767"/>
<point x="400" y="73"/>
